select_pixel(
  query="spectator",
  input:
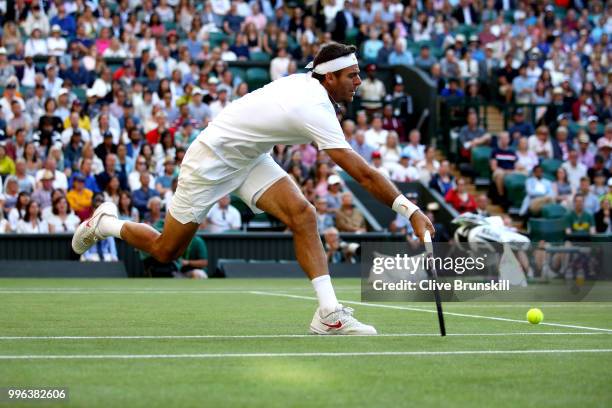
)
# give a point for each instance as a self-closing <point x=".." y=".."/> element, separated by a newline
<point x="580" y="222"/>
<point x="590" y="200"/>
<point x="482" y="204"/>
<point x="376" y="136"/>
<point x="25" y="181"/>
<point x="561" y="145"/>
<point x="223" y="217"/>
<point x="7" y="165"/>
<point x="194" y="261"/>
<point x="42" y="195"/>
<point x="17" y="213"/>
<point x="391" y="151"/>
<point x="113" y="190"/>
<point x="280" y="64"/>
<point x="472" y="135"/>
<point x="603" y="218"/>
<point x="503" y="161"/>
<point x="334" y="192"/>
<point x="428" y="166"/>
<point x="348" y="218"/>
<point x="585" y="152"/>
<point x="400" y="55"/>
<point x="325" y="219"/>
<point x="163" y="183"/>
<point x="127" y="211"/>
<point x="338" y="251"/>
<point x="425" y="60"/>
<point x="32" y="223"/>
<point x="575" y="170"/>
<point x="372" y="90"/>
<point x="393" y="123"/>
<point x="79" y="197"/>
<point x="59" y="178"/>
<point x="539" y="192"/>
<point x="110" y="171"/>
<point x="360" y="145"/>
<point x="404" y="172"/>
<point x="382" y="57"/>
<point x="449" y="66"/>
<point x="520" y="125"/>
<point x="540" y="143"/>
<point x="142" y="195"/>
<point x="222" y="101"/>
<point x="443" y="181"/>
<point x="562" y="190"/>
<point x="376" y="162"/>
<point x="56" y="45"/>
<point x="526" y="159"/>
<point x="154" y="211"/>
<point x="85" y="171"/>
<point x="460" y="199"/>
<point x="414" y="149"/>
<point x="523" y="86"/>
<point x="62" y="218"/>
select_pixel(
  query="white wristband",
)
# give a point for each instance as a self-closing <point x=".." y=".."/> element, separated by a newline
<point x="404" y="206"/>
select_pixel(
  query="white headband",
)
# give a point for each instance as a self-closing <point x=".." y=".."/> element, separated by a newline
<point x="334" y="65"/>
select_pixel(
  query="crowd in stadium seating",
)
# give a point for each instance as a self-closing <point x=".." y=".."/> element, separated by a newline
<point x="106" y="96"/>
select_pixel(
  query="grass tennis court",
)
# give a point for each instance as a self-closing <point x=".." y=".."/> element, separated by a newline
<point x="157" y="343"/>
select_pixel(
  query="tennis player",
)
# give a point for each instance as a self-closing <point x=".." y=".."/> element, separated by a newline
<point x="232" y="155"/>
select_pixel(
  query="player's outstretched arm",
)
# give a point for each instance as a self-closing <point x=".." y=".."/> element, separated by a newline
<point x="381" y="188"/>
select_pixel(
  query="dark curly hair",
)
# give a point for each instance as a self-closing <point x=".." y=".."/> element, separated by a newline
<point x="331" y="51"/>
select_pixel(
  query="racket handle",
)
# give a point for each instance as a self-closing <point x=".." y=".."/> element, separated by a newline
<point x="427" y="242"/>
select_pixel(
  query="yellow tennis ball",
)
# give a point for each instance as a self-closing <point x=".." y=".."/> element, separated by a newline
<point x="535" y="316"/>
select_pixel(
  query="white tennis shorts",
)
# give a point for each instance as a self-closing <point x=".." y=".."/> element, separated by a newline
<point x="204" y="178"/>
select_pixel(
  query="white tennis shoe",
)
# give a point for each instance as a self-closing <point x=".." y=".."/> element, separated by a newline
<point x="340" y="321"/>
<point x="88" y="233"/>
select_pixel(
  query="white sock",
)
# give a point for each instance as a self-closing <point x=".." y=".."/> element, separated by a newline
<point x="325" y="293"/>
<point x="110" y="226"/>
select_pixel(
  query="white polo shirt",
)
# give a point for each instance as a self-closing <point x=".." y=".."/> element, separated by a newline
<point x="221" y="220"/>
<point x="292" y="110"/>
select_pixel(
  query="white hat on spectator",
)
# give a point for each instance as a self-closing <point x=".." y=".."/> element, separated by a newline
<point x="460" y="37"/>
<point x="47" y="175"/>
<point x="604" y="143"/>
<point x="56" y="28"/>
<point x="197" y="91"/>
<point x="213" y="80"/>
<point x="91" y="93"/>
<point x="584" y="138"/>
<point x="333" y="179"/>
<point x="62" y="91"/>
<point x="610" y="182"/>
<point x="592" y="118"/>
<point x="557" y="90"/>
<point x="2" y="50"/>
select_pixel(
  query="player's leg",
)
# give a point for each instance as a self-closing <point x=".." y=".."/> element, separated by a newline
<point x="164" y="247"/>
<point x="268" y="188"/>
<point x="286" y="202"/>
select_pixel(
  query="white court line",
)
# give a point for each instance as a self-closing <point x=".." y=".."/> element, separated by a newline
<point x="268" y="355"/>
<point x="153" y="291"/>
<point x="292" y="336"/>
<point x="415" y="309"/>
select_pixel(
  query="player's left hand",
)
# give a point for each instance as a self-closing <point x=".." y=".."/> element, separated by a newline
<point x="421" y="223"/>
